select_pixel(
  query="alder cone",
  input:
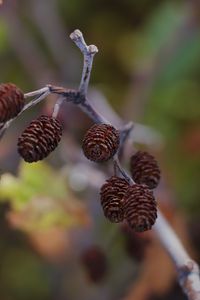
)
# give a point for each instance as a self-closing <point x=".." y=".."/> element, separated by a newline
<point x="95" y="263"/>
<point x="11" y="101"/>
<point x="144" y="169"/>
<point x="135" y="244"/>
<point x="39" y="139"/>
<point x="140" y="208"/>
<point x="101" y="142"/>
<point x="111" y="194"/>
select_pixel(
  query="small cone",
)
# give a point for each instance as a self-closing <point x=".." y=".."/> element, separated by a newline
<point x="11" y="101"/>
<point x="95" y="263"/>
<point x="101" y="142"/>
<point x="144" y="169"/>
<point x="140" y="208"/>
<point x="39" y="139"/>
<point x="112" y="193"/>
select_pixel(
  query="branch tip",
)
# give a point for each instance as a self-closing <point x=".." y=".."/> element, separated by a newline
<point x="76" y="34"/>
<point x="92" y="49"/>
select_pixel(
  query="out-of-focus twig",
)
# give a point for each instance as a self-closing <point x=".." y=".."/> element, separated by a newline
<point x="45" y="15"/>
<point x="25" y="46"/>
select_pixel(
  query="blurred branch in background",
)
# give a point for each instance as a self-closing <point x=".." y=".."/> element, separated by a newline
<point x="24" y="45"/>
<point x="46" y="15"/>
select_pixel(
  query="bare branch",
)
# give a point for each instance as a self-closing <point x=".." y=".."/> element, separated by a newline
<point x="57" y="106"/>
<point x="124" y="136"/>
<point x="77" y="98"/>
<point x="187" y="269"/>
<point x="34" y="102"/>
<point x="37" y="92"/>
<point x="92" y="113"/>
<point x="118" y="167"/>
<point x="88" y="53"/>
<point x="27" y="106"/>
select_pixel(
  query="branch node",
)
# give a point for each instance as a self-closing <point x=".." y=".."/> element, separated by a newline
<point x="76" y="34"/>
<point x="92" y="49"/>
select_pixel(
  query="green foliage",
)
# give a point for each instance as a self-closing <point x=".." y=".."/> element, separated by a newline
<point x="32" y="181"/>
<point x="39" y="195"/>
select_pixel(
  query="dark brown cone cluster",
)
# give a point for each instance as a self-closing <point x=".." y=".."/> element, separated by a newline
<point x="112" y="193"/>
<point x="140" y="207"/>
<point x="39" y="139"/>
<point x="101" y="142"/>
<point x="11" y="101"/>
<point x="144" y="169"/>
<point x="95" y="263"/>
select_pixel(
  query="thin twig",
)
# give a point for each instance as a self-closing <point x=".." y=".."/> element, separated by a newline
<point x="78" y="99"/>
<point x="34" y="102"/>
<point x="124" y="136"/>
<point x="117" y="166"/>
<point x="125" y="132"/>
<point x="37" y="92"/>
<point x="27" y="106"/>
<point x="88" y="54"/>
<point x="57" y="106"/>
<point x="92" y="113"/>
<point x="188" y="270"/>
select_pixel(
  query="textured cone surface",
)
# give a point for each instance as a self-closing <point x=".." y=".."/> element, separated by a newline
<point x="95" y="263"/>
<point x="140" y="207"/>
<point x="144" y="169"/>
<point x="11" y="101"/>
<point x="39" y="139"/>
<point x="112" y="193"/>
<point x="100" y="142"/>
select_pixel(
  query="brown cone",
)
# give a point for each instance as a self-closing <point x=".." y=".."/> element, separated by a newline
<point x="95" y="263"/>
<point x="11" y="101"/>
<point x="112" y="193"/>
<point x="135" y="243"/>
<point x="100" y="142"/>
<point x="140" y="208"/>
<point x="39" y="139"/>
<point x="144" y="169"/>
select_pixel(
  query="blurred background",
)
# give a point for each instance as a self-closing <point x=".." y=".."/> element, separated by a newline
<point x="55" y="242"/>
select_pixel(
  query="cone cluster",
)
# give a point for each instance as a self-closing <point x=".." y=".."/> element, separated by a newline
<point x="11" y="101"/>
<point x="119" y="200"/>
<point x="134" y="203"/>
<point x="39" y="139"/>
<point x="144" y="169"/>
<point x="101" y="142"/>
